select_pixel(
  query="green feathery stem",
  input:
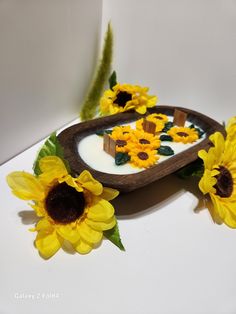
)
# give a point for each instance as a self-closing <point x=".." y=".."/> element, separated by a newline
<point x="89" y="107"/>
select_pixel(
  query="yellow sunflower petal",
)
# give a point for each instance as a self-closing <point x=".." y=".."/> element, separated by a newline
<point x="39" y="209"/>
<point x="25" y="186"/>
<point x="43" y="224"/>
<point x="209" y="202"/>
<point x="73" y="182"/>
<point x="52" y="168"/>
<point x="109" y="193"/>
<point x="68" y="233"/>
<point x="47" y="244"/>
<point x="141" y="109"/>
<point x="207" y="182"/>
<point x="89" y="183"/>
<point x="231" y="129"/>
<point x="209" y="158"/>
<point x="152" y="101"/>
<point x="218" y="140"/>
<point x="83" y="247"/>
<point x="101" y="211"/>
<point x="88" y="234"/>
<point x="101" y="225"/>
<point x="224" y="209"/>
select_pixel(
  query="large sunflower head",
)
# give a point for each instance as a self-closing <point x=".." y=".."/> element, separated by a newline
<point x="124" y="97"/>
<point x="219" y="179"/>
<point x="143" y="157"/>
<point x="75" y="210"/>
<point x="183" y="134"/>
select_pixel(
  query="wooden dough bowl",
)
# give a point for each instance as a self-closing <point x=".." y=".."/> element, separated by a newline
<point x="70" y="137"/>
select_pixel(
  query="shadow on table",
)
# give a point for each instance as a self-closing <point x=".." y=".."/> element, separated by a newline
<point x="154" y="196"/>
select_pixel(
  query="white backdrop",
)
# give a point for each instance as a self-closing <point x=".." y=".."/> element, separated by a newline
<point x="48" y="53"/>
<point x="184" y="50"/>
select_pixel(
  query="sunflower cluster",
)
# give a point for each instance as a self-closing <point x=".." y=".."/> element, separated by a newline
<point x="140" y="146"/>
<point x="143" y="148"/>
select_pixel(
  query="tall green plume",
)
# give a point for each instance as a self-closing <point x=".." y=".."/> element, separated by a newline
<point x="91" y="103"/>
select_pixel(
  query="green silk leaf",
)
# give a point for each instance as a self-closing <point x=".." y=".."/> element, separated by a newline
<point x="113" y="235"/>
<point x="121" y="158"/>
<point x="165" y="151"/>
<point x="91" y="103"/>
<point x="51" y="147"/>
<point x="194" y="169"/>
<point x="112" y="79"/>
<point x="166" y="138"/>
<point x="168" y="126"/>
<point x="102" y="132"/>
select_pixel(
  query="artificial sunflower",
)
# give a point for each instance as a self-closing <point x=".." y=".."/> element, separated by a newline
<point x="124" y="129"/>
<point x="158" y="116"/>
<point x="160" y="124"/>
<point x="143" y="139"/>
<point x="72" y="210"/>
<point x="122" y="141"/>
<point x="143" y="157"/>
<point x="219" y="179"/>
<point x="183" y="134"/>
<point x="124" y="97"/>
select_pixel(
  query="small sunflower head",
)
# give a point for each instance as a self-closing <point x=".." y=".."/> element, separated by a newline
<point x="145" y="140"/>
<point x="159" y="123"/>
<point x="122" y="140"/>
<point x="183" y="134"/>
<point x="143" y="157"/>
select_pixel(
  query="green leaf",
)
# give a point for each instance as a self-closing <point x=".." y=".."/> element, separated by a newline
<point x="102" y="132"/>
<point x="166" y="138"/>
<point x="112" y="79"/>
<point x="121" y="158"/>
<point x="165" y="151"/>
<point x="91" y="102"/>
<point x="113" y="235"/>
<point x="51" y="147"/>
<point x="168" y="126"/>
<point x="195" y="169"/>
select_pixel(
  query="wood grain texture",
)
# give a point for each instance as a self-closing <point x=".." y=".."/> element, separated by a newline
<point x="70" y="137"/>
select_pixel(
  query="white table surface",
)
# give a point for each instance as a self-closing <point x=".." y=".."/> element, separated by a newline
<point x="176" y="260"/>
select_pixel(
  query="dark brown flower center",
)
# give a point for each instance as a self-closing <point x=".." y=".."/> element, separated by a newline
<point x="142" y="156"/>
<point x="64" y="204"/>
<point x="158" y="118"/>
<point x="224" y="185"/>
<point x="182" y="134"/>
<point x="144" y="141"/>
<point x="121" y="143"/>
<point x="122" y="98"/>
